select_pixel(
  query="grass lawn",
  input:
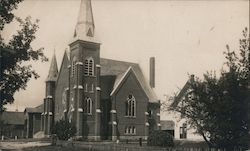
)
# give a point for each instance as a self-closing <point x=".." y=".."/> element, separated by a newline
<point x="67" y="146"/>
<point x="53" y="148"/>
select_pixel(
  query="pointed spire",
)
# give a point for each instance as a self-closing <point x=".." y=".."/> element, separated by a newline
<point x="85" y="23"/>
<point x="66" y="56"/>
<point x="53" y="70"/>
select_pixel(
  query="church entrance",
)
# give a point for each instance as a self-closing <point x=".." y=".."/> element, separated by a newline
<point x="105" y="119"/>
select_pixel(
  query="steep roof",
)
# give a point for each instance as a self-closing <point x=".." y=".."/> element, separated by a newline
<point x="38" y="109"/>
<point x="183" y="92"/>
<point x="65" y="62"/>
<point x="53" y="70"/>
<point x="85" y="27"/>
<point x="13" y="118"/>
<point x="119" y="69"/>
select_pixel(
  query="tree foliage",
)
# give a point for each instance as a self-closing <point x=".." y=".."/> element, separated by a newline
<point x="6" y="6"/>
<point x="160" y="138"/>
<point x="64" y="129"/>
<point x="218" y="107"/>
<point x="15" y="54"/>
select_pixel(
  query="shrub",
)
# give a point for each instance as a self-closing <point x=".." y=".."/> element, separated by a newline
<point x="64" y="129"/>
<point x="160" y="138"/>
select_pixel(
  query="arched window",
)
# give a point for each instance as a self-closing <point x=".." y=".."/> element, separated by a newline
<point x="89" y="67"/>
<point x="86" y="67"/>
<point x="183" y="131"/>
<point x="86" y="87"/>
<point x="88" y="105"/>
<point x="70" y="118"/>
<point x="126" y="130"/>
<point x="64" y="99"/>
<point x="130" y="130"/>
<point x="130" y="106"/>
<point x="73" y="67"/>
<point x="126" y="108"/>
<point x="92" y="88"/>
<point x="134" y="130"/>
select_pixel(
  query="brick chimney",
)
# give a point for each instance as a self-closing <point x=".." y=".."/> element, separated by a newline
<point x="152" y="72"/>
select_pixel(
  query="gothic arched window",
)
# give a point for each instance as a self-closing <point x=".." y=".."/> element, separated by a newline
<point x="88" y="105"/>
<point x="130" y="106"/>
<point x="86" y="67"/>
<point x="89" y="66"/>
<point x="130" y="130"/>
<point x="73" y="67"/>
<point x="133" y="130"/>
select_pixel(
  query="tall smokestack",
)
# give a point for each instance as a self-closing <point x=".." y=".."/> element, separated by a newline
<point x="152" y="72"/>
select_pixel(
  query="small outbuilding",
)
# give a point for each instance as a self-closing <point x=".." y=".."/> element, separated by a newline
<point x="168" y="126"/>
<point x="12" y="125"/>
<point x="33" y="120"/>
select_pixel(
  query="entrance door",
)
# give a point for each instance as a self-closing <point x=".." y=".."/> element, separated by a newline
<point x="105" y="119"/>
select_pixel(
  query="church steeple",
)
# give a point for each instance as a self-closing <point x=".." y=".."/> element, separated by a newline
<point x="85" y="23"/>
<point x="53" y="70"/>
<point x="84" y="47"/>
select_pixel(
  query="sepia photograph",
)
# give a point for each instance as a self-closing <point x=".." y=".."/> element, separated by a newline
<point x="124" y="75"/>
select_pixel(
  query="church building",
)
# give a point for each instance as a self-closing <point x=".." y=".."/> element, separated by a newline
<point x="105" y="99"/>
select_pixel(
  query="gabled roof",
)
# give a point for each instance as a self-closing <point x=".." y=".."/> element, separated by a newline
<point x="119" y="69"/>
<point x="183" y="92"/>
<point x="53" y="70"/>
<point x="13" y="118"/>
<point x="65" y="61"/>
<point x="38" y="109"/>
<point x="120" y="79"/>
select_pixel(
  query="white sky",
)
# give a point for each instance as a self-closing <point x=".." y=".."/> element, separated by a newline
<point x="184" y="36"/>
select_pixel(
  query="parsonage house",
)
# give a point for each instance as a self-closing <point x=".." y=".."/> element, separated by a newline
<point x="105" y="99"/>
<point x="182" y="129"/>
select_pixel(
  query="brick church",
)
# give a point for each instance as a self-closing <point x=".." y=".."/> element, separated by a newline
<point x="103" y="98"/>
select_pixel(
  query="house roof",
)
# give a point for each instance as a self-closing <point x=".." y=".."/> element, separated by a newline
<point x="38" y="109"/>
<point x="120" y="68"/>
<point x="183" y="92"/>
<point x="13" y="118"/>
<point x="167" y="125"/>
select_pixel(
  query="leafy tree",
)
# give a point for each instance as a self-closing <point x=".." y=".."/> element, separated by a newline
<point x="64" y="129"/>
<point x="6" y="6"/>
<point x="218" y="107"/>
<point x="15" y="54"/>
<point x="160" y="138"/>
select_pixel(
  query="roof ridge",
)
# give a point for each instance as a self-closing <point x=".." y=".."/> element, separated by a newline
<point x="12" y="112"/>
<point x="121" y="80"/>
<point x="135" y="63"/>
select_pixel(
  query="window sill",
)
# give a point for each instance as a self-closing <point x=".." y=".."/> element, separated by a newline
<point x="91" y="76"/>
<point x="127" y="134"/>
<point x="88" y="114"/>
<point x="130" y="117"/>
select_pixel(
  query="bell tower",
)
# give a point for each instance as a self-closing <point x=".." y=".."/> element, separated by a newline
<point x="84" y="71"/>
<point x="48" y="113"/>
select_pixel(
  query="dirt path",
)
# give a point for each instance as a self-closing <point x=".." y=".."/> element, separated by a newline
<point x="18" y="146"/>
